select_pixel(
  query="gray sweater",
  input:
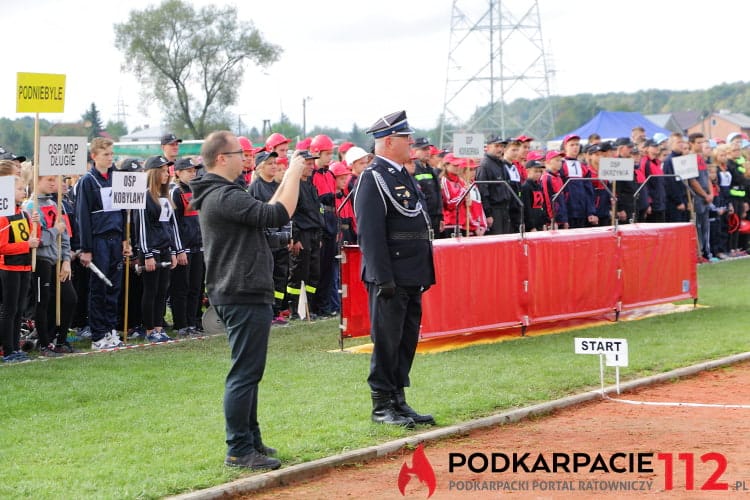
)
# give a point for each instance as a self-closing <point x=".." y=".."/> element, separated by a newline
<point x="239" y="263"/>
<point x="48" y="245"/>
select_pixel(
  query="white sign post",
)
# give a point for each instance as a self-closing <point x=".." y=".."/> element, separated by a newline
<point x="7" y="196"/>
<point x="62" y="155"/>
<point x="468" y="145"/>
<point x="129" y="190"/>
<point x="615" y="351"/>
<point x="616" y="169"/>
<point x="686" y="166"/>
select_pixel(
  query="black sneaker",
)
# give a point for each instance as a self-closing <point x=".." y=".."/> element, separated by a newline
<point x="253" y="461"/>
<point x="49" y="351"/>
<point x="65" y="348"/>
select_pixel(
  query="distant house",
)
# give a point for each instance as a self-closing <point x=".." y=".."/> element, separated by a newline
<point x="679" y="121"/>
<point x="665" y="120"/>
<point x="720" y="125"/>
<point x="148" y="134"/>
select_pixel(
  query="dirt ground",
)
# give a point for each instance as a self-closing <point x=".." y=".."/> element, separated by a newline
<point x="646" y="433"/>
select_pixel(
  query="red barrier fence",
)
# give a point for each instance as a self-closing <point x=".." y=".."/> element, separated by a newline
<point x="490" y="282"/>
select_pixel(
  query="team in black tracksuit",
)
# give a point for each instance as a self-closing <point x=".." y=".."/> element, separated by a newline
<point x="307" y="226"/>
<point x="158" y="239"/>
<point x="186" y="282"/>
<point x="532" y="195"/>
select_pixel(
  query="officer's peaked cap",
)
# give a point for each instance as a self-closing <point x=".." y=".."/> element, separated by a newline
<point x="393" y="124"/>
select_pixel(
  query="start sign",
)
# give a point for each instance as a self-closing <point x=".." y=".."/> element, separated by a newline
<point x="40" y="93"/>
<point x="615" y="350"/>
<point x="62" y="155"/>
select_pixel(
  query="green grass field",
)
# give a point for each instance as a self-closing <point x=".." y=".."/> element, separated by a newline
<point x="148" y="422"/>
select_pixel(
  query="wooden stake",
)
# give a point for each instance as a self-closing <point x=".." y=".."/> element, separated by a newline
<point x="34" y="227"/>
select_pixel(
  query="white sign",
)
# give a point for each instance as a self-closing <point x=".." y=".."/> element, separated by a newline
<point x="7" y="195"/>
<point x="615" y="350"/>
<point x="686" y="166"/>
<point x="129" y="190"/>
<point x="62" y="155"/>
<point x="468" y="145"/>
<point x="616" y="169"/>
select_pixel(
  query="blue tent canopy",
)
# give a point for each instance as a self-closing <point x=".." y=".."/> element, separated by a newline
<point x="612" y="124"/>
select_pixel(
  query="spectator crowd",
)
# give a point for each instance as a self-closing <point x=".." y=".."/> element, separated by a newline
<point x="79" y="241"/>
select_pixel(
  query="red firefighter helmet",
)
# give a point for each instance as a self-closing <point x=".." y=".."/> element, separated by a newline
<point x="276" y="139"/>
<point x="245" y="143"/>
<point x="321" y="143"/>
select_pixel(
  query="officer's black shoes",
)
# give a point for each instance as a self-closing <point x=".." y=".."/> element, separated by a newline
<point x="383" y="411"/>
<point x="253" y="461"/>
<point x="403" y="409"/>
<point x="266" y="450"/>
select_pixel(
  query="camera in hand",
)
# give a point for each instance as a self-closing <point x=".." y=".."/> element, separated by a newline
<point x="278" y="238"/>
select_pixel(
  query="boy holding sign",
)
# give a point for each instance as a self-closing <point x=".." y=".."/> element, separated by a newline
<point x="103" y="243"/>
<point x="52" y="340"/>
<point x="16" y="243"/>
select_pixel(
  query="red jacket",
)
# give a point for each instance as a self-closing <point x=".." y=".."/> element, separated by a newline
<point x="453" y="187"/>
<point x="15" y="253"/>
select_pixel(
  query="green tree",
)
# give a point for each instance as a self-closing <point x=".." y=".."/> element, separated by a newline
<point x="286" y="127"/>
<point x="191" y="61"/>
<point x="116" y="129"/>
<point x="92" y="121"/>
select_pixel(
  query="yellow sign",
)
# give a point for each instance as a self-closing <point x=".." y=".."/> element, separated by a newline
<point x="40" y="93"/>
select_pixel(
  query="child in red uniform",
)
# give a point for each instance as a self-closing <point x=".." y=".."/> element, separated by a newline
<point x="453" y="188"/>
<point x="477" y="217"/>
<point x="16" y="243"/>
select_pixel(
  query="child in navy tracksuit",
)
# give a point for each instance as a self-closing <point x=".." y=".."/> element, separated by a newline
<point x="159" y="246"/>
<point x="186" y="281"/>
<point x="102" y="242"/>
<point x="16" y="243"/>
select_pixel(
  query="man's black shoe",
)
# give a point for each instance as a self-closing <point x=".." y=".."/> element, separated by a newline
<point x="266" y="450"/>
<point x="402" y="408"/>
<point x="384" y="413"/>
<point x="253" y="461"/>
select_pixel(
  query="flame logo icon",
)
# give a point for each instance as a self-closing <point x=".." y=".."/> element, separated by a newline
<point x="420" y="468"/>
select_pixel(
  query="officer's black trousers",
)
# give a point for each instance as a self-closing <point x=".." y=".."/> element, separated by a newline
<point x="394" y="329"/>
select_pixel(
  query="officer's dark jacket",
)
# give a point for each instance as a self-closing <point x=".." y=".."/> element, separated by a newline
<point x="428" y="182"/>
<point x="307" y="216"/>
<point x="492" y="169"/>
<point x="395" y="247"/>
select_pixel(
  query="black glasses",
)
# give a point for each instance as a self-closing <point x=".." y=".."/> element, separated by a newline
<point x="227" y="153"/>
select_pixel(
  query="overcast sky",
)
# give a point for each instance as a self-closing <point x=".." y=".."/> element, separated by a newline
<point x="359" y="60"/>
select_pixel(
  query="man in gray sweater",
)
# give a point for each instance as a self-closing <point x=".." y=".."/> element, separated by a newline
<point x="239" y="282"/>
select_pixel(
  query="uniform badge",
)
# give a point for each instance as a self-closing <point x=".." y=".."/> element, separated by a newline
<point x="407" y="194"/>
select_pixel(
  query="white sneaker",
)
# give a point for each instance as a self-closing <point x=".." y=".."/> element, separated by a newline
<point x="103" y="343"/>
<point x="114" y="339"/>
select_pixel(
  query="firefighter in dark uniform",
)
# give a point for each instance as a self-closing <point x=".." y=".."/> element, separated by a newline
<point x="496" y="198"/>
<point x="429" y="182"/>
<point x="397" y="267"/>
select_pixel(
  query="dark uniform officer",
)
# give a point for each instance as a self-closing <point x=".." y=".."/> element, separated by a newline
<point x="395" y="240"/>
<point x="496" y="198"/>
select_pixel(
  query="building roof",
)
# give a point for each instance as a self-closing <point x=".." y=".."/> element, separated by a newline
<point x="740" y="119"/>
<point x="686" y="119"/>
<point x="145" y="135"/>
